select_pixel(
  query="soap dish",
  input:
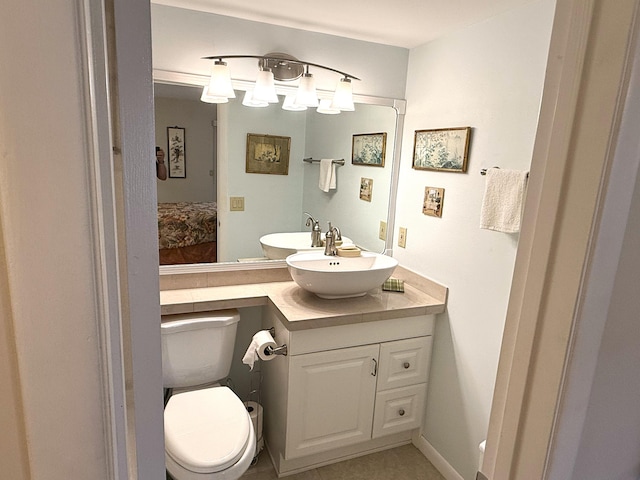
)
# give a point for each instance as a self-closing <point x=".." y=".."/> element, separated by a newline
<point x="348" y="252"/>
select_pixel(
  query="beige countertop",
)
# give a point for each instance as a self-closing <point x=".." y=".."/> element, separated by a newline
<point x="299" y="309"/>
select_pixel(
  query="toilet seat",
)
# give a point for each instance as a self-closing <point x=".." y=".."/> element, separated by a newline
<point x="206" y="431"/>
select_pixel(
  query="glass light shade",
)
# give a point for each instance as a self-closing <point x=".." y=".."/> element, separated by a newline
<point x="289" y="104"/>
<point x="306" y="94"/>
<point x="265" y="89"/>
<point x="249" y="101"/>
<point x="343" y="96"/>
<point x="220" y="81"/>
<point x="205" y="97"/>
<point x="326" y="107"/>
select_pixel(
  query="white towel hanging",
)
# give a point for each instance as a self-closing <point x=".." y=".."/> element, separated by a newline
<point x="327" y="175"/>
<point x="503" y="200"/>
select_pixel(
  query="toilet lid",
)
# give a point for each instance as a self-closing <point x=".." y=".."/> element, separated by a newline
<point x="206" y="430"/>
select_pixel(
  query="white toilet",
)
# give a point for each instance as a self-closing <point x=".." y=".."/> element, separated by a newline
<point x="208" y="432"/>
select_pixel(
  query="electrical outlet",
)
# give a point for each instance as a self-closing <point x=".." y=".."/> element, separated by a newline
<point x="236" y="204"/>
<point x="402" y="237"/>
<point x="382" y="233"/>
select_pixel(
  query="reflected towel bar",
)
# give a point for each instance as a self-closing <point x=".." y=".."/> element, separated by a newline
<point x="313" y="160"/>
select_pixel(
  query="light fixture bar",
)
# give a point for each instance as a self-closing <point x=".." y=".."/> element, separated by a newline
<point x="280" y="59"/>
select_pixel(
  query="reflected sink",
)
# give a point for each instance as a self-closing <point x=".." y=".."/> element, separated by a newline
<point x="280" y="245"/>
<point x="340" y="277"/>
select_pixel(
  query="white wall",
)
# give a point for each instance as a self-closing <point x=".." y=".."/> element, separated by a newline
<point x="196" y="118"/>
<point x="182" y="37"/>
<point x="488" y="76"/>
<point x="50" y="302"/>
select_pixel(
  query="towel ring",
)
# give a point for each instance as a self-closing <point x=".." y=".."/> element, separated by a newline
<point x="484" y="170"/>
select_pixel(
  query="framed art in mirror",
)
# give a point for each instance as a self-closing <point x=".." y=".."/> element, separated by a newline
<point x="445" y="149"/>
<point x="268" y="154"/>
<point x="177" y="152"/>
<point x="369" y="149"/>
<point x="366" y="189"/>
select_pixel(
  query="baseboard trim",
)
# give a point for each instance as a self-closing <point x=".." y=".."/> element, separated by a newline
<point x="437" y="460"/>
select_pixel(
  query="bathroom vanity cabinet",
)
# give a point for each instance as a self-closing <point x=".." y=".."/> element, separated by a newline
<point x="355" y="378"/>
<point x="344" y="390"/>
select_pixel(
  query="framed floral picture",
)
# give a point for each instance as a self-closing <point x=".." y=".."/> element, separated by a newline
<point x="369" y="149"/>
<point x="267" y="154"/>
<point x="177" y="155"/>
<point x="445" y="149"/>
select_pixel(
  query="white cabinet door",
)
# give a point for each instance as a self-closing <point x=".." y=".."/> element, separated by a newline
<point x="404" y="362"/>
<point x="331" y="398"/>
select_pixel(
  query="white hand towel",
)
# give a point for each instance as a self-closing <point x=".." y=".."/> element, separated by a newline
<point x="327" y="175"/>
<point x="503" y="200"/>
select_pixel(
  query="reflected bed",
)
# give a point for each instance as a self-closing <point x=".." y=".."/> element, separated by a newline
<point x="187" y="232"/>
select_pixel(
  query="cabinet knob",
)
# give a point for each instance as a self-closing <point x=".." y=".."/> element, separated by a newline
<point x="406" y="365"/>
<point x="401" y="412"/>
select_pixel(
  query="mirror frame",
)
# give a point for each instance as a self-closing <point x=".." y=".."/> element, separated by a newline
<point x="399" y="105"/>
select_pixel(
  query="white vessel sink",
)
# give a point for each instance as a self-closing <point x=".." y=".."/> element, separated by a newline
<point x="280" y="245"/>
<point x="340" y="277"/>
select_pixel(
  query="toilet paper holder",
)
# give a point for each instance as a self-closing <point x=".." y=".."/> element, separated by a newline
<point x="281" y="350"/>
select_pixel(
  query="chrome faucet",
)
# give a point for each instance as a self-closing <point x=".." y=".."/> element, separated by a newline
<point x="316" y="231"/>
<point x="332" y="235"/>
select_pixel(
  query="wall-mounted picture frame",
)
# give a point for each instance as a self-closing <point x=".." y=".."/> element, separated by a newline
<point x="369" y="149"/>
<point x="268" y="154"/>
<point x="433" y="201"/>
<point x="443" y="149"/>
<point x="366" y="189"/>
<point x="176" y="148"/>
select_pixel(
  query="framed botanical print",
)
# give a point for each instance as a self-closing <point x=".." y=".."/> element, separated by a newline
<point x="445" y="149"/>
<point x="268" y="154"/>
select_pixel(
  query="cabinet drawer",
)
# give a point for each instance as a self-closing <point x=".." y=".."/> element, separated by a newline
<point x="399" y="410"/>
<point x="404" y="362"/>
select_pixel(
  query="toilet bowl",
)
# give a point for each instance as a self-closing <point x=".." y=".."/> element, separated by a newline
<point x="209" y="434"/>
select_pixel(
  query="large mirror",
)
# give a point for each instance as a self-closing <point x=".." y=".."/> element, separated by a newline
<point x="214" y="173"/>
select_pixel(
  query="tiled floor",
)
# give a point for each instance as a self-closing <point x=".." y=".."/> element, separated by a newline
<point x="401" y="463"/>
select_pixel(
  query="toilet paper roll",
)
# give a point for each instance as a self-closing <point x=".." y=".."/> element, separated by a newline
<point x="261" y="340"/>
<point x="255" y="412"/>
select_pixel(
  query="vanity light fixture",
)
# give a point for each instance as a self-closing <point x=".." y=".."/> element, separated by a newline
<point x="306" y="94"/>
<point x="250" y="101"/>
<point x="326" y="107"/>
<point x="343" y="96"/>
<point x="265" y="89"/>
<point x="282" y="68"/>
<point x="220" y="81"/>
<point x="207" y="98"/>
<point x="291" y="105"/>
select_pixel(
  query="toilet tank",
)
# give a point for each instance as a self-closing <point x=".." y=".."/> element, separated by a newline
<point x="197" y="348"/>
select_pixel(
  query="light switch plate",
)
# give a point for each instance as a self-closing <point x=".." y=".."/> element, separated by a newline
<point x="236" y="204"/>
<point x="382" y="233"/>
<point x="402" y="237"/>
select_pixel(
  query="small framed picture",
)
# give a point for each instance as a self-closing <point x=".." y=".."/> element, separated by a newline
<point x="444" y="149"/>
<point x="268" y="154"/>
<point x="369" y="149"/>
<point x="366" y="189"/>
<point x="177" y="152"/>
<point x="433" y="201"/>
